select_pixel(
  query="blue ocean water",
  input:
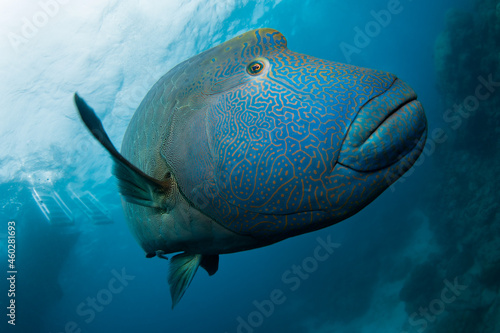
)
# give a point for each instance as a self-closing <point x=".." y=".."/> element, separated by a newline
<point x="424" y="256"/>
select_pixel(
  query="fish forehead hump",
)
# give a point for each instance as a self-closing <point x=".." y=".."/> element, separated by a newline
<point x="187" y="88"/>
<point x="159" y="138"/>
<point x="255" y="153"/>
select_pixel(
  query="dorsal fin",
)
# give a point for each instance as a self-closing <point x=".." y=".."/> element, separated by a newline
<point x="134" y="185"/>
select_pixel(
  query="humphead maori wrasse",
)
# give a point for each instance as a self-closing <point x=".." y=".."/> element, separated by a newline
<point x="249" y="143"/>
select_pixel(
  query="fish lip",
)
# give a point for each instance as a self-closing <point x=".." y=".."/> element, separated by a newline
<point x="399" y="108"/>
<point x="385" y="129"/>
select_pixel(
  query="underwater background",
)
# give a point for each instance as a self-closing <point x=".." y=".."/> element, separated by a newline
<point x="423" y="257"/>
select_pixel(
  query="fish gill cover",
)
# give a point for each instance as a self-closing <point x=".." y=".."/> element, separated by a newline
<point x="425" y="257"/>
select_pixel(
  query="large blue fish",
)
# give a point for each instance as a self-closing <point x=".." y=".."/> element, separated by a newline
<point x="249" y="143"/>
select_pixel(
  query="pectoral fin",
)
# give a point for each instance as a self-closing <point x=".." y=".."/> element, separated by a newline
<point x="134" y="185"/>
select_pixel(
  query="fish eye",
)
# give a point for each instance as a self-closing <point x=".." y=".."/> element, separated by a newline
<point x="255" y="67"/>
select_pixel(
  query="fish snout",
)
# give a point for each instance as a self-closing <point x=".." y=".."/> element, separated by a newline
<point x="386" y="129"/>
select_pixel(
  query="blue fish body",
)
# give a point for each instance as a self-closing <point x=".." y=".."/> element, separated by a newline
<point x="249" y="143"/>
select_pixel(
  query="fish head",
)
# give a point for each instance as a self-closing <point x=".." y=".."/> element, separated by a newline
<point x="288" y="143"/>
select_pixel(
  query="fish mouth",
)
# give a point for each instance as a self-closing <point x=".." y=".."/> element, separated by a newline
<point x="386" y="129"/>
